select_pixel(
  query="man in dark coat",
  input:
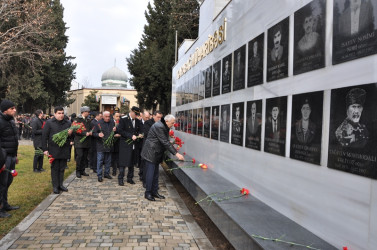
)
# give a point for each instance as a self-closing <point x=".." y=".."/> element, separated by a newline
<point x="60" y="154"/>
<point x="93" y="146"/>
<point x="130" y="130"/>
<point x="101" y="132"/>
<point x="37" y="126"/>
<point x="153" y="151"/>
<point x="82" y="148"/>
<point x="115" y="150"/>
<point x="145" y="116"/>
<point x="9" y="147"/>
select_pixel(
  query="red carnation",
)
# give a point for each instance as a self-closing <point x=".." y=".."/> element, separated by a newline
<point x="2" y="169"/>
<point x="176" y="125"/>
<point x="14" y="173"/>
<point x="193" y="160"/>
<point x="171" y="133"/>
<point x="43" y="124"/>
<point x="245" y="191"/>
<point x="51" y="159"/>
<point x="345" y="248"/>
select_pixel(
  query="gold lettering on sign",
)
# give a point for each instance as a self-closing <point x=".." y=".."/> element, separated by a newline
<point x="213" y="41"/>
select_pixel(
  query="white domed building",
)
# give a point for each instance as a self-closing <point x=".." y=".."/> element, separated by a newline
<point x="115" y="92"/>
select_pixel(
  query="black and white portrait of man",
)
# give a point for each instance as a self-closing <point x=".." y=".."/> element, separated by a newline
<point x="226" y="74"/>
<point x="255" y="61"/>
<point x="253" y="124"/>
<point x="216" y="71"/>
<point x="237" y="123"/>
<point x="239" y="68"/>
<point x="224" y="123"/>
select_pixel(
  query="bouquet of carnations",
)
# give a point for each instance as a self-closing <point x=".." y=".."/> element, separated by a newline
<point x="61" y="138"/>
<point x="109" y="142"/>
<point x="39" y="152"/>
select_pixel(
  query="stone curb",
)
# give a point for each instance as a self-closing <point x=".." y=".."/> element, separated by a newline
<point x="8" y="240"/>
<point x="199" y="236"/>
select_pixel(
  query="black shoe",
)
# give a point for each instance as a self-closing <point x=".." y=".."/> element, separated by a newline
<point x="56" y="191"/>
<point x="149" y="197"/>
<point x="4" y="214"/>
<point x="10" y="208"/>
<point x="78" y="175"/>
<point x="64" y="189"/>
<point x="157" y="195"/>
<point x="84" y="174"/>
<point x="131" y="182"/>
<point x="41" y="170"/>
<point x="121" y="183"/>
<point x="36" y="171"/>
<point x="100" y="179"/>
<point x="108" y="176"/>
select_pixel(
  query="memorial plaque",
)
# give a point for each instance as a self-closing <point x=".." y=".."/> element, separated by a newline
<point x="278" y="51"/>
<point x="208" y="81"/>
<point x="189" y="121"/>
<point x="353" y="127"/>
<point x="225" y="123"/>
<point x="185" y="115"/>
<point x="216" y="78"/>
<point x="253" y="124"/>
<point x="200" y="122"/>
<point x="255" y="61"/>
<point x="226" y="74"/>
<point x="354" y="29"/>
<point x="309" y="36"/>
<point x="275" y="125"/>
<point x="195" y="122"/>
<point x="239" y="68"/>
<point x="306" y="129"/>
<point x="207" y="122"/>
<point x="202" y="77"/>
<point x="237" y="123"/>
<point x="215" y="118"/>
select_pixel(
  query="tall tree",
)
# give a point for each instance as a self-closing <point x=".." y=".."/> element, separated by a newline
<point x="151" y="63"/>
<point x="91" y="101"/>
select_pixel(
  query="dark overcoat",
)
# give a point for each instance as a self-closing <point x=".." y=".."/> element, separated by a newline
<point x="105" y="128"/>
<point x="52" y="127"/>
<point x="79" y="136"/>
<point x="126" y="130"/>
<point x="36" y="128"/>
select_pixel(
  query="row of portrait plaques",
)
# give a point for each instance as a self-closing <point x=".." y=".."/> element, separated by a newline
<point x="353" y="37"/>
<point x="353" y="127"/>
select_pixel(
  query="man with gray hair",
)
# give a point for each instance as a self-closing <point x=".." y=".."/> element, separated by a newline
<point x="153" y="151"/>
<point x="82" y="148"/>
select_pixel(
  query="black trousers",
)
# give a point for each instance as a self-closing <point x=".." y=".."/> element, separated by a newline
<point x="130" y="173"/>
<point x="93" y="157"/>
<point x="6" y="180"/>
<point x="57" y="172"/>
<point x="81" y="159"/>
<point x="38" y="161"/>
<point x="114" y="161"/>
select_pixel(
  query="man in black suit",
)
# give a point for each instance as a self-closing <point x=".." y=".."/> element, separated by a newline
<point x="37" y="126"/>
<point x="130" y="130"/>
<point x="93" y="147"/>
<point x="273" y="124"/>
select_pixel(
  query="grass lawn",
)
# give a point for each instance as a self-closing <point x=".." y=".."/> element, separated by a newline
<point x="28" y="188"/>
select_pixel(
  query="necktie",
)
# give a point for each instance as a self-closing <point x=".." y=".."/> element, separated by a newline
<point x="133" y="122"/>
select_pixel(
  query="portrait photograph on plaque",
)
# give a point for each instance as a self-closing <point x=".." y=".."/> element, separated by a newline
<point x="215" y="118"/>
<point x="202" y="77"/>
<point x="354" y="29"/>
<point x="309" y="37"/>
<point x="277" y="51"/>
<point x="225" y="123"/>
<point x="208" y="82"/>
<point x="275" y="125"/>
<point x="253" y="124"/>
<point x="237" y="123"/>
<point x="200" y="121"/>
<point x="226" y="74"/>
<point x="194" y="128"/>
<point x="239" y="68"/>
<point x="207" y="122"/>
<point x="255" y="61"/>
<point x="216" y="69"/>
<point x="306" y="128"/>
<point x="353" y="127"/>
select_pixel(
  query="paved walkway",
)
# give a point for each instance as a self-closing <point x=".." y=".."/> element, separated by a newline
<point x="94" y="215"/>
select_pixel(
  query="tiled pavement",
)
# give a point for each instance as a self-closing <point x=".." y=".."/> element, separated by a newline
<point x="94" y="215"/>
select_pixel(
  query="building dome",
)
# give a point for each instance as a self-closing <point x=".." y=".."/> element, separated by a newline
<point x="114" y="77"/>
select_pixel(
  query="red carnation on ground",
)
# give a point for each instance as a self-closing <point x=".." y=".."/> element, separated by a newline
<point x="203" y="166"/>
<point x="345" y="248"/>
<point x="193" y="160"/>
<point x="245" y="191"/>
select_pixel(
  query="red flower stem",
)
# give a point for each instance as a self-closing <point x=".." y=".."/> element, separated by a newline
<point x="283" y="241"/>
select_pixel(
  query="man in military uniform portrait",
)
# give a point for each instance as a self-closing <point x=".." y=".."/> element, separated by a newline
<point x="351" y="133"/>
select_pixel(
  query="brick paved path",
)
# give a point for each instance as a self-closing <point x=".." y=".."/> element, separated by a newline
<point x="96" y="215"/>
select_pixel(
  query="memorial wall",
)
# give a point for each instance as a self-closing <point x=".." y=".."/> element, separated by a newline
<point x="281" y="97"/>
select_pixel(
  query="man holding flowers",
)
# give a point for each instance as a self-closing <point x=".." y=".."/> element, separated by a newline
<point x="59" y="155"/>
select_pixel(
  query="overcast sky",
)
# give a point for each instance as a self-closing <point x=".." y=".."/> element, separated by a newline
<point x="101" y="31"/>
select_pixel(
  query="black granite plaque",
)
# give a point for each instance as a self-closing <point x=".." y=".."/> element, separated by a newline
<point x="207" y="122"/>
<point x="200" y="121"/>
<point x="194" y="122"/>
<point x="239" y="68"/>
<point x="225" y="123"/>
<point x="185" y="114"/>
<point x="354" y="29"/>
<point x="196" y="88"/>
<point x="190" y="92"/>
<point x="208" y="82"/>
<point x="353" y="130"/>
<point x="275" y="126"/>
<point x="255" y="61"/>
<point x="216" y="78"/>
<point x="306" y="129"/>
<point x="202" y="77"/>
<point x="215" y="118"/>
<point x="253" y="124"/>
<point x="277" y="51"/>
<point x="309" y="46"/>
<point x="226" y="74"/>
<point x="237" y="123"/>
